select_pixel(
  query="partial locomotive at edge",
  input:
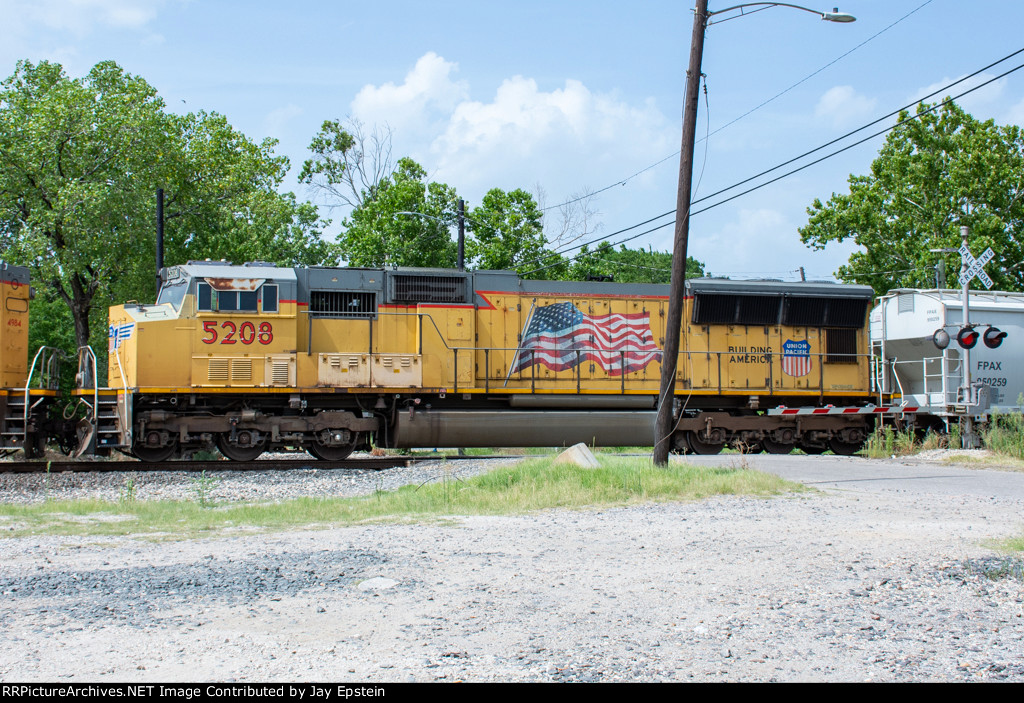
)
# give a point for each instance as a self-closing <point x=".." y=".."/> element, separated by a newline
<point x="255" y="357"/>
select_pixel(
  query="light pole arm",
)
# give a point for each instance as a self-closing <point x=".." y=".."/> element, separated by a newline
<point x="834" y="16"/>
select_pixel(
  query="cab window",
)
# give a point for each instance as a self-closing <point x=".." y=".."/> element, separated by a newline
<point x="269" y="298"/>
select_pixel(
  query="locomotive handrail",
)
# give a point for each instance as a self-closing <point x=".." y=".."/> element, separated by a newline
<point x="84" y="354"/>
<point x="124" y="379"/>
<point x="716" y="378"/>
<point x="45" y="381"/>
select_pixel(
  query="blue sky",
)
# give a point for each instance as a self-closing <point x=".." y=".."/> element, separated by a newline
<point x="561" y="97"/>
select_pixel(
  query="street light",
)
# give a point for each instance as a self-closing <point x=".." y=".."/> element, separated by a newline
<point x="462" y="229"/>
<point x="670" y="355"/>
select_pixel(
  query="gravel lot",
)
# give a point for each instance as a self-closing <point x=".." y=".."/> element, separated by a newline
<point x="849" y="584"/>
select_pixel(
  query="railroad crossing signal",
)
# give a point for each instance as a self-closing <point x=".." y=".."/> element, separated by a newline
<point x="976" y="267"/>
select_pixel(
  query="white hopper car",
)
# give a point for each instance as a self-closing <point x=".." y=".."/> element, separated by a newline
<point x="909" y="364"/>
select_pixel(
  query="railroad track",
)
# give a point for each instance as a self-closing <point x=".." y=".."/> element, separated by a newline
<point x="371" y="464"/>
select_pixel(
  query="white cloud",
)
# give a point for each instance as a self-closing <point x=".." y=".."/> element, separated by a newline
<point x="276" y="122"/>
<point x="428" y="88"/>
<point x="759" y="242"/>
<point x="844" y="106"/>
<point x="1015" y="115"/>
<point x="980" y="101"/>
<point x="521" y="137"/>
<point x="78" y="16"/>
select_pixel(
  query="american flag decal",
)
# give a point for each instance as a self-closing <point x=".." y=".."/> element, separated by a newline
<point x="559" y="336"/>
<point x="796" y="358"/>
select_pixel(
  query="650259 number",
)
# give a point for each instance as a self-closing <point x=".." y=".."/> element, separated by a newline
<point x="246" y="333"/>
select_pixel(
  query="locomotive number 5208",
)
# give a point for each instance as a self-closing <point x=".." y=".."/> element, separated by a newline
<point x="230" y="333"/>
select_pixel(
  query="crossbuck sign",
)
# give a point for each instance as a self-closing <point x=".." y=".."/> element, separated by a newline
<point x="976" y="267"/>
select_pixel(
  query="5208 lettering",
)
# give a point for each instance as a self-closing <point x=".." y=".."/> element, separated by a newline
<point x="230" y="333"/>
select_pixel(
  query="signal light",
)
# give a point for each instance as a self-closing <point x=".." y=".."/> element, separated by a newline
<point x="993" y="337"/>
<point x="941" y="338"/>
<point x="967" y="338"/>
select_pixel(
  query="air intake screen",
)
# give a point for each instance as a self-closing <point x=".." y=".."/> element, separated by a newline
<point x="333" y="303"/>
<point x="429" y="289"/>
<point x="840" y="346"/>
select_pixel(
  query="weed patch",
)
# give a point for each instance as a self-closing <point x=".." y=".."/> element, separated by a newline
<point x="528" y="486"/>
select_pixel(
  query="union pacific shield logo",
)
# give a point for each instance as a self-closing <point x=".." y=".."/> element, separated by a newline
<point x="796" y="358"/>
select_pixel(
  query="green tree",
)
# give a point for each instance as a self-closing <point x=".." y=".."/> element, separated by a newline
<point x="933" y="175"/>
<point x="348" y="162"/>
<point x="627" y="265"/>
<point x="80" y="161"/>
<point x="508" y="232"/>
<point x="376" y="234"/>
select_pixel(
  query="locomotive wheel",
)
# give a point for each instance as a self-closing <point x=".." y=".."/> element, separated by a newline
<point x="238" y="452"/>
<point x="773" y="447"/>
<point x="153" y="454"/>
<point x="699" y="446"/>
<point x="328" y="453"/>
<point x="844" y="448"/>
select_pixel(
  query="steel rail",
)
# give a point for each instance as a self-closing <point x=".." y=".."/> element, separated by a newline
<point x="368" y="464"/>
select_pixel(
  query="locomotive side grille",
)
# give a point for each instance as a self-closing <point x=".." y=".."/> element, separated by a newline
<point x="841" y="346"/>
<point x="334" y="303"/>
<point x="218" y="370"/>
<point x="428" y="289"/>
<point x="241" y="369"/>
<point x="279" y="372"/>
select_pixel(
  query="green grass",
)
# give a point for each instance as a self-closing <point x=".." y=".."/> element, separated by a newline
<point x="1005" y="435"/>
<point x="531" y="485"/>
<point x="1014" y="545"/>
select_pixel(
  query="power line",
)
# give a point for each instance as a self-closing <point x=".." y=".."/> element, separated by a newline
<point x="797" y="158"/>
<point x="785" y="163"/>
<point x="850" y="146"/>
<point x="874" y="122"/>
<point x="745" y="114"/>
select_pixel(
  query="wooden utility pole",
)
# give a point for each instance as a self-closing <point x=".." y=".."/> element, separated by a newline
<point x="673" y="323"/>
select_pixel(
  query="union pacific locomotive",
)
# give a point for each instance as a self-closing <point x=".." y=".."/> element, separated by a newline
<point x="328" y="360"/>
<point x="27" y="392"/>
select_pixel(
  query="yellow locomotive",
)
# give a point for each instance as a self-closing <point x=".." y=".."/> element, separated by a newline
<point x="256" y="357"/>
<point x="24" y="408"/>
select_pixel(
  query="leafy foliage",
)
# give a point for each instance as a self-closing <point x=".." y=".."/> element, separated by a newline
<point x="508" y="231"/>
<point x="630" y="265"/>
<point x="348" y="162"/>
<point x="378" y="234"/>
<point x="80" y="161"/>
<point x="933" y="175"/>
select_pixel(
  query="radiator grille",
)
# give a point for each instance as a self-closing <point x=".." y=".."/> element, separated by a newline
<point x="825" y="312"/>
<point x="726" y="309"/>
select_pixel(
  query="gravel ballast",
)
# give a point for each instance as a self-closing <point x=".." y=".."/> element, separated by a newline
<point x="847" y="584"/>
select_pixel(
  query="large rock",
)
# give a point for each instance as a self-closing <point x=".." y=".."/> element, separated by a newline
<point x="580" y="455"/>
